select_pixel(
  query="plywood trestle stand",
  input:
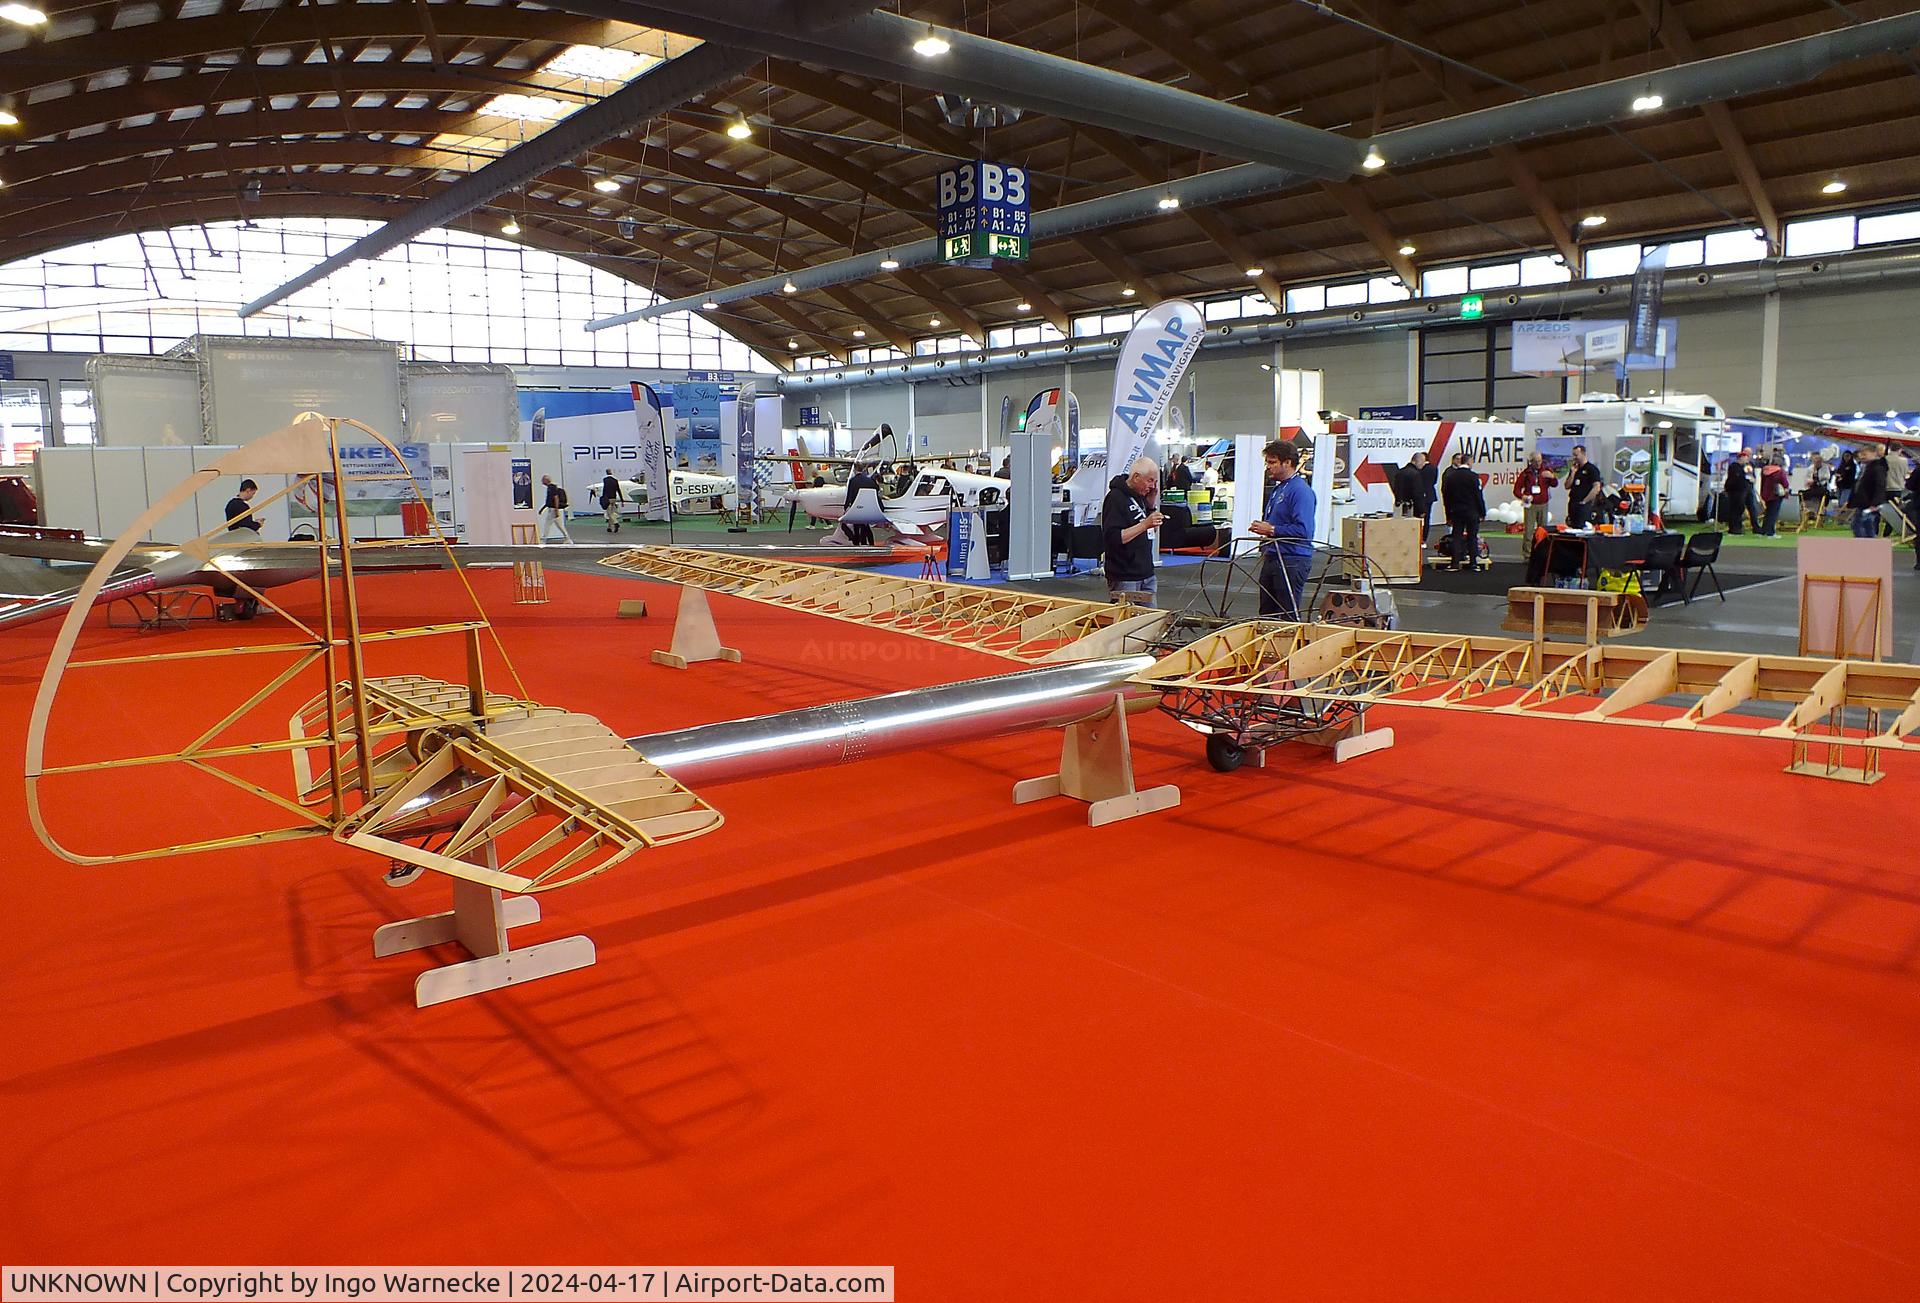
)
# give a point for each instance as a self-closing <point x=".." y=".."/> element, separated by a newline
<point x="1096" y="766"/>
<point x="694" y="636"/>
<point x="529" y="577"/>
<point x="479" y="921"/>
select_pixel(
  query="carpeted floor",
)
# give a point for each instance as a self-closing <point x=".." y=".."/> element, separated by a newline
<point x="1515" y="1010"/>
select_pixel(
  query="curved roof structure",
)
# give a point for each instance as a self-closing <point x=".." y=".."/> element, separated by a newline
<point x="135" y="115"/>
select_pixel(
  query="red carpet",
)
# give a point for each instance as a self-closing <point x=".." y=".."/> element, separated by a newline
<point x="1516" y="1010"/>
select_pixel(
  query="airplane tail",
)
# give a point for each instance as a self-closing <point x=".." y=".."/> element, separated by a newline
<point x="1086" y="488"/>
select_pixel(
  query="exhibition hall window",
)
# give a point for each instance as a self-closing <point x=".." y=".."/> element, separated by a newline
<point x="23" y="421"/>
<point x="451" y="296"/>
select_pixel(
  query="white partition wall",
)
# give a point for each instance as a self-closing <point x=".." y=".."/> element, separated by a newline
<point x="65" y="476"/>
<point x="119" y="488"/>
<point x="461" y="404"/>
<point x="257" y="386"/>
<point x="275" y="523"/>
<point x="145" y="401"/>
<point x="162" y="469"/>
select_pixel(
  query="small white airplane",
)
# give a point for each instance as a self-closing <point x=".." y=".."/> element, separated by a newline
<point x="693" y="491"/>
<point x="1857" y="430"/>
<point x="914" y="508"/>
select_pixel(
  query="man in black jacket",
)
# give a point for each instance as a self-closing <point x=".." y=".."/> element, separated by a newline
<point x="610" y="501"/>
<point x="1869" y="493"/>
<point x="1466" y="505"/>
<point x="862" y="478"/>
<point x="239" y="511"/>
<point x="1733" y="494"/>
<point x="1126" y="518"/>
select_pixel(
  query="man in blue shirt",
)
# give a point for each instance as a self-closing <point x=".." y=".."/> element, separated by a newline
<point x="1288" y="522"/>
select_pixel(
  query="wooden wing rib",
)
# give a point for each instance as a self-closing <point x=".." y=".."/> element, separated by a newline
<point x="559" y="797"/>
<point x="1017" y="625"/>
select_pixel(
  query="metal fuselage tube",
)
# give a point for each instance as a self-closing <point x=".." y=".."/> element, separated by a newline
<point x="860" y="729"/>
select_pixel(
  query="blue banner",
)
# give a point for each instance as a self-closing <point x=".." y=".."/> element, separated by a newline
<point x="696" y="407"/>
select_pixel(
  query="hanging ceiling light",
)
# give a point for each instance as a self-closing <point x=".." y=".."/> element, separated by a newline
<point x="934" y="322"/>
<point x="1023" y="306"/>
<point x="1834" y="187"/>
<point x="738" y="128"/>
<point x="1169" y="201"/>
<point x="789" y="288"/>
<point x="793" y="343"/>
<point x="711" y="305"/>
<point x="889" y="263"/>
<point x="1407" y="251"/>
<point x="1127" y="293"/>
<point x="8" y="118"/>
<point x="606" y="185"/>
<point x="1374" y="161"/>
<point x="1592" y="220"/>
<point x="25" y="15"/>
<point x="1649" y="102"/>
<point x="1255" y="273"/>
<point x="510" y="227"/>
<point x="931" y="44"/>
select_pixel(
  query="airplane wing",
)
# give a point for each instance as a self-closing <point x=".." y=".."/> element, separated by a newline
<point x="1844" y="431"/>
<point x="1018" y="625"/>
<point x="557" y="796"/>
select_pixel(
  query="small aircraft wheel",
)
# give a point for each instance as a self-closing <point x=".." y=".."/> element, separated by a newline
<point x="1224" y="753"/>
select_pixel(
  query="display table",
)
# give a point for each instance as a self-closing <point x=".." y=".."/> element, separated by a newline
<point x="1389" y="548"/>
<point x="1586" y="555"/>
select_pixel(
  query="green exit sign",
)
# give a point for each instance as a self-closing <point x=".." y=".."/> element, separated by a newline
<point x="1473" y="307"/>
<point x="976" y="246"/>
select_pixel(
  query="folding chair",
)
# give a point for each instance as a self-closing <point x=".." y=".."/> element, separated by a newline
<point x="1703" y="549"/>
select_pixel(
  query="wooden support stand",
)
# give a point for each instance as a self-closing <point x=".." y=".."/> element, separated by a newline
<point x="1349" y="741"/>
<point x="1096" y="766"/>
<point x="479" y="921"/>
<point x="694" y="636"/>
<point x="632" y="608"/>
<point x="529" y="577"/>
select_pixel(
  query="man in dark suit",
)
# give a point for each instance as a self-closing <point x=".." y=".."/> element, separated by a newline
<point x="1466" y="506"/>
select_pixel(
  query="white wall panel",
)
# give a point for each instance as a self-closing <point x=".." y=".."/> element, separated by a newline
<point x="64" y="483"/>
<point x="455" y="406"/>
<point x="119" y="487"/>
<point x="1849" y="350"/>
<point x="164" y="468"/>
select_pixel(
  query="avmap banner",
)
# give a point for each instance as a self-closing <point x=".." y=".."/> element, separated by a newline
<point x="652" y="428"/>
<point x="1571" y="348"/>
<point x="1153" y="360"/>
<point x="1376" y="448"/>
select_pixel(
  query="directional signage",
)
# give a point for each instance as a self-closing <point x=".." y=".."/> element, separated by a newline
<point x="982" y="213"/>
<point x="1473" y="307"/>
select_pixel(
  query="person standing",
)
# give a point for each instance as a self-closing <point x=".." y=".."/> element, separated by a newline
<point x="239" y="512"/>
<point x="1534" y="487"/>
<point x="1583" y="489"/>
<point x="610" y="501"/>
<point x="1773" y="493"/>
<point x="1181" y="476"/>
<point x="1869" y="493"/>
<point x="1845" y="476"/>
<point x="1733" y="494"/>
<point x="1127" y="519"/>
<point x="1465" y="502"/>
<point x="863" y="478"/>
<point x="1286" y="559"/>
<point x="1913" y="504"/>
<point x="1813" y="498"/>
<point x="553" y="510"/>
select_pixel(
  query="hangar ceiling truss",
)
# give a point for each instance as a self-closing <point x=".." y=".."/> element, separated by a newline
<point x="135" y="116"/>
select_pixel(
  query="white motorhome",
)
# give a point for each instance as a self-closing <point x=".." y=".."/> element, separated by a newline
<point x="1664" y="441"/>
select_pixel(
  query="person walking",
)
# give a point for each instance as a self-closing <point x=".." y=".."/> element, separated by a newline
<point x="1533" y="488"/>
<point x="1127" y="519"/>
<point x="1773" y="493"/>
<point x="1462" y="496"/>
<point x="610" y="501"/>
<point x="1869" y="493"/>
<point x="553" y="510"/>
<point x="1286" y="559"/>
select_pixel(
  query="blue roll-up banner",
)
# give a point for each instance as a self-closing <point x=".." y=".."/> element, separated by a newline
<point x="653" y="452"/>
<point x="1153" y="360"/>
<point x="697" y="405"/>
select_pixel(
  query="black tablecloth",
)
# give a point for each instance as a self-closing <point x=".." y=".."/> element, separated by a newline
<point x="1586" y="555"/>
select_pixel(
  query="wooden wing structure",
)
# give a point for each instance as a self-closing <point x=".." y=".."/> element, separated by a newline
<point x="497" y="792"/>
<point x="1020" y="626"/>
